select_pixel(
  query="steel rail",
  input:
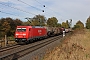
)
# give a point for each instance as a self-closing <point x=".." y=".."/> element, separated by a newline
<point x="21" y="50"/>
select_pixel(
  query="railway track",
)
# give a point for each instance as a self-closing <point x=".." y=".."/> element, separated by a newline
<point x="42" y="44"/>
<point x="18" y="51"/>
<point x="4" y="51"/>
<point x="9" y="47"/>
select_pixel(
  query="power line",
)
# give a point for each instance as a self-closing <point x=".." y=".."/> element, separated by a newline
<point x="8" y="13"/>
<point x="44" y="5"/>
<point x="17" y="9"/>
<point x="31" y="6"/>
<point x="1" y="11"/>
<point x="47" y="7"/>
<point x="40" y="3"/>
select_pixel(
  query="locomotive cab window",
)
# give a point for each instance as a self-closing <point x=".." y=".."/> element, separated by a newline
<point x="21" y="29"/>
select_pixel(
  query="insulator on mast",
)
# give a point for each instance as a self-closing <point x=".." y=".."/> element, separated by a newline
<point x="42" y="10"/>
<point x="43" y="5"/>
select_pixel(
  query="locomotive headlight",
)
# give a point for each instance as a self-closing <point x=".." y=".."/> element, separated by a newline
<point x="17" y="34"/>
<point x="24" y="34"/>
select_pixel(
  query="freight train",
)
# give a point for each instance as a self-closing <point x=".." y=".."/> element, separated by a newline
<point x="30" y="33"/>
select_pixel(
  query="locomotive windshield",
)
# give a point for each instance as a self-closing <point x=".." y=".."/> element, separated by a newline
<point x="21" y="29"/>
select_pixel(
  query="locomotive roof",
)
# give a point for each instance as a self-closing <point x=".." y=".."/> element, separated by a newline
<point x="30" y="26"/>
<point x="37" y="27"/>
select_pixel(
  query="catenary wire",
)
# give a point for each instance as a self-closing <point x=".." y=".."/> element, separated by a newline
<point x="55" y="12"/>
<point x="8" y="13"/>
<point x="17" y="9"/>
<point x="46" y="6"/>
<point x="29" y="5"/>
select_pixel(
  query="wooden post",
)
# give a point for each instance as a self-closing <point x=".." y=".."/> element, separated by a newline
<point x="5" y="40"/>
<point x="1" y="43"/>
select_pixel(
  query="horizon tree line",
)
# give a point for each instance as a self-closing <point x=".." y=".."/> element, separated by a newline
<point x="8" y="25"/>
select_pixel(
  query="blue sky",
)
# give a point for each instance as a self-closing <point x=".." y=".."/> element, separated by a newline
<point x="61" y="9"/>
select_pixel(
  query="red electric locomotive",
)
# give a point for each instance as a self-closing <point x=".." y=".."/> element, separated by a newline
<point x="29" y="33"/>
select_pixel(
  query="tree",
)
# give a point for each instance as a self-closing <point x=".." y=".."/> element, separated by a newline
<point x="8" y="26"/>
<point x="52" y="22"/>
<point x="58" y="25"/>
<point x="17" y="22"/>
<point x="38" y="20"/>
<point x="26" y="23"/>
<point x="12" y="26"/>
<point x="79" y="25"/>
<point x="41" y="19"/>
<point x="63" y="24"/>
<point x="88" y="23"/>
<point x="66" y="24"/>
